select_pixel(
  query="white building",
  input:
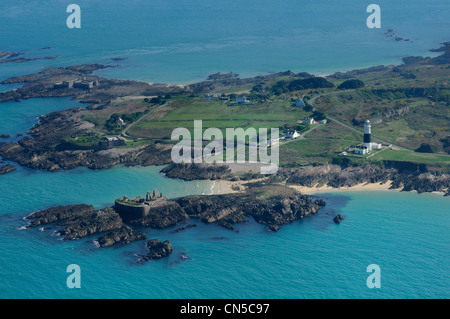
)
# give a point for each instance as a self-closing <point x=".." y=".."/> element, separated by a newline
<point x="361" y="150"/>
<point x="308" y="120"/>
<point x="242" y="100"/>
<point x="120" y="123"/>
<point x="367" y="145"/>
<point x="292" y="134"/>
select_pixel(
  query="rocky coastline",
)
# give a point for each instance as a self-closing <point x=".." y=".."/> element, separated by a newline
<point x="269" y="200"/>
<point x="271" y="206"/>
<point x="404" y="176"/>
<point x="5" y="169"/>
<point x="43" y="148"/>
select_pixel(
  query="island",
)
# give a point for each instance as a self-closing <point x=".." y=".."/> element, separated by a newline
<point x="321" y="120"/>
<point x="384" y="127"/>
<point x="272" y="206"/>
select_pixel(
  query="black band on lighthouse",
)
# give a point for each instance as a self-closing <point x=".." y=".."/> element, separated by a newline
<point x="366" y="138"/>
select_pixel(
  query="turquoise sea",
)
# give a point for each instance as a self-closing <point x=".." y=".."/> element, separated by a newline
<point x="406" y="234"/>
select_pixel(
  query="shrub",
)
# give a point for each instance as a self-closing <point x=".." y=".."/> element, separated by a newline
<point x="351" y="84"/>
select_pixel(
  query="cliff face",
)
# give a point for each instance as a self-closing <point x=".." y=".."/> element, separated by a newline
<point x="403" y="175"/>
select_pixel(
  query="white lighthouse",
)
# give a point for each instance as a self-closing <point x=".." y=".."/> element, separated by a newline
<point x="367" y="141"/>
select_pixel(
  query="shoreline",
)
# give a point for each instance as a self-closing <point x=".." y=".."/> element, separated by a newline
<point x="228" y="187"/>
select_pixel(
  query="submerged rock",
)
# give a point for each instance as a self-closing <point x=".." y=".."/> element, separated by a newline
<point x="184" y="227"/>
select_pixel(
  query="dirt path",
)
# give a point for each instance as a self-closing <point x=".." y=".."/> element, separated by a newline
<point x="124" y="132"/>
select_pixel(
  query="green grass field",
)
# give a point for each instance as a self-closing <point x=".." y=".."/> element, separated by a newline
<point x="424" y="120"/>
<point x="219" y="114"/>
<point x="394" y="155"/>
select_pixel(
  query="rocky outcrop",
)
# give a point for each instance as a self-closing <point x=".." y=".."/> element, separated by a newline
<point x="402" y="175"/>
<point x="77" y="221"/>
<point x="42" y="84"/>
<point x="338" y="218"/>
<point x="123" y="235"/>
<point x="58" y="214"/>
<point x="422" y="183"/>
<point x="189" y="172"/>
<point x="273" y="211"/>
<point x="5" y="169"/>
<point x="100" y="221"/>
<point x="335" y="176"/>
<point x="441" y="59"/>
<point x="44" y="155"/>
<point x="157" y="250"/>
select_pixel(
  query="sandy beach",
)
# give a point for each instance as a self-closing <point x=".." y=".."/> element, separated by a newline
<point x="358" y="187"/>
<point x="236" y="186"/>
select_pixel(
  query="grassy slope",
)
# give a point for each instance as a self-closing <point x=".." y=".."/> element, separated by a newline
<point x="426" y="121"/>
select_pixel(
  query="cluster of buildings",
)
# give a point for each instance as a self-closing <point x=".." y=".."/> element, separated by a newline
<point x="243" y="100"/>
<point x="311" y="121"/>
<point x="367" y="144"/>
<point x="120" y="123"/>
<point x="79" y="83"/>
<point x="110" y="142"/>
<point x="216" y="96"/>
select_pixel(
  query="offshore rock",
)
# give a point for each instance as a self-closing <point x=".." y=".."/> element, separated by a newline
<point x="5" y="169"/>
<point x="338" y="218"/>
<point x="271" y="205"/>
<point x="157" y="250"/>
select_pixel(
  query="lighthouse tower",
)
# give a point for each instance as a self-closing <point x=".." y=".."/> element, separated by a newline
<point x="367" y="143"/>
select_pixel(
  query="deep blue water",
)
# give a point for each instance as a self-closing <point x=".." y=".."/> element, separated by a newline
<point x="406" y="234"/>
<point x="183" y="41"/>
